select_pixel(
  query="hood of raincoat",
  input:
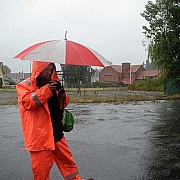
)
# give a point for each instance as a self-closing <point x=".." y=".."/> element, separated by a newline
<point x="38" y="67"/>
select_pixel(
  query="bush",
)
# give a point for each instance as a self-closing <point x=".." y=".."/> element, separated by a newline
<point x="149" y="85"/>
<point x="99" y="84"/>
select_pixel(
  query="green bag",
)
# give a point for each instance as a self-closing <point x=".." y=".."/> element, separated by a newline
<point x="67" y="121"/>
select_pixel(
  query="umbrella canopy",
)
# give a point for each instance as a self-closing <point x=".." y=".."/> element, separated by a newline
<point x="63" y="52"/>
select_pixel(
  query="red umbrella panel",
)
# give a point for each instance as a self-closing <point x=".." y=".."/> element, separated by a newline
<point x="63" y="52"/>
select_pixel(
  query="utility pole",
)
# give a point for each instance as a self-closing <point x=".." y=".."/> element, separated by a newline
<point x="130" y="74"/>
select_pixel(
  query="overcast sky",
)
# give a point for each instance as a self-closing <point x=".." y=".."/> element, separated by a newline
<point x="111" y="27"/>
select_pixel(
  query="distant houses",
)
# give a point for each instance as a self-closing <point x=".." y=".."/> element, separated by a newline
<point x="122" y="75"/>
<point x="126" y="74"/>
<point x="18" y="77"/>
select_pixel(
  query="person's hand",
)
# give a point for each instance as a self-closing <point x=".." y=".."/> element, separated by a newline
<point x="52" y="86"/>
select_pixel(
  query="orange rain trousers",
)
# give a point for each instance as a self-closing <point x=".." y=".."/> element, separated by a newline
<point x="42" y="162"/>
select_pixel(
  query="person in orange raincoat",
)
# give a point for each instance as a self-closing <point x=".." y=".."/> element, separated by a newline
<point x="41" y="110"/>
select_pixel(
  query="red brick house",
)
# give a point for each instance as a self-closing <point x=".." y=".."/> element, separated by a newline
<point x="152" y="74"/>
<point x="120" y="74"/>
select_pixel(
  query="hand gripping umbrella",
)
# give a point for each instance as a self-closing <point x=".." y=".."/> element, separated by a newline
<point x="63" y="52"/>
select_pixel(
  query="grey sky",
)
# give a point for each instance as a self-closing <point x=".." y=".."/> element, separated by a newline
<point x="111" y="27"/>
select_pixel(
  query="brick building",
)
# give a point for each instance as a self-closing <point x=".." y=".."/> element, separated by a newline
<point x="126" y="74"/>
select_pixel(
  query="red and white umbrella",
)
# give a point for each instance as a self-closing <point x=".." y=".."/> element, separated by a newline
<point x="63" y="52"/>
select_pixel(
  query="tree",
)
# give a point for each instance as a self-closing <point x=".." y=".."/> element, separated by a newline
<point x="6" y="70"/>
<point x="150" y="66"/>
<point x="163" y="33"/>
<point x="76" y="75"/>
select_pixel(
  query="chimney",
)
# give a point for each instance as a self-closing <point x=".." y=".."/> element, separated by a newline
<point x="125" y="67"/>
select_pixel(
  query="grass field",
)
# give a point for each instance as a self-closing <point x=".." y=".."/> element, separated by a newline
<point x="95" y="95"/>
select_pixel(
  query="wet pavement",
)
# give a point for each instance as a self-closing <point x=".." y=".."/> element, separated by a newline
<point x="127" y="141"/>
<point x="8" y="96"/>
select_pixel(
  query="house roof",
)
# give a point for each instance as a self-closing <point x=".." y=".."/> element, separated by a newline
<point x="134" y="68"/>
<point x="148" y="73"/>
<point x="118" y="68"/>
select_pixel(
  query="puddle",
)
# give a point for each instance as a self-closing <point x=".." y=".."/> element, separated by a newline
<point x="127" y="141"/>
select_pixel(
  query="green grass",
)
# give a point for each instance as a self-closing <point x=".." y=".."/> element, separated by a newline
<point x="96" y="89"/>
<point x="156" y="85"/>
<point x="8" y="103"/>
<point x="116" y="99"/>
<point x="95" y="98"/>
<point x="7" y="90"/>
<point x="91" y="99"/>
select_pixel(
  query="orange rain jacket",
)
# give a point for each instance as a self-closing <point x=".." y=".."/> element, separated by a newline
<point x="34" y="112"/>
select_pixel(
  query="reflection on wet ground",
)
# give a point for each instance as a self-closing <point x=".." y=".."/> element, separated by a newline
<point x="127" y="141"/>
<point x="8" y="96"/>
<point x="165" y="143"/>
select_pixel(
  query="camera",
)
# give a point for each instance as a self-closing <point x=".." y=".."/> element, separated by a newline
<point x="59" y="87"/>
